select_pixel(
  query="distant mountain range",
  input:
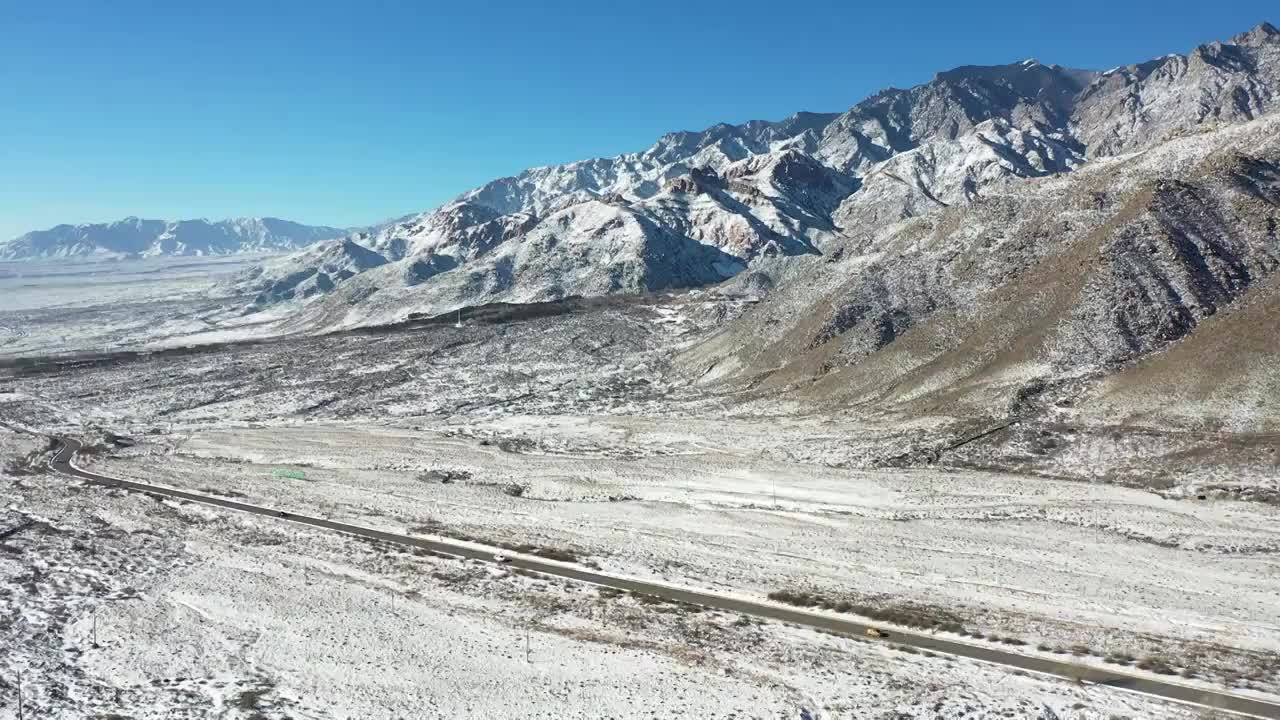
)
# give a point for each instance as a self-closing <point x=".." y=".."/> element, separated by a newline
<point x="136" y="237"/>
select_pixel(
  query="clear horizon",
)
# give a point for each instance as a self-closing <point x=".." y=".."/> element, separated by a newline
<point x="321" y="114"/>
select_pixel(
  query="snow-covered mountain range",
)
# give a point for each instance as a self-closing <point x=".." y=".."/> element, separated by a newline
<point x="701" y="207"/>
<point x="136" y="237"/>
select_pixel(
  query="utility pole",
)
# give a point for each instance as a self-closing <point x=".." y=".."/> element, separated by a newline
<point x="526" y="644"/>
<point x="95" y="628"/>
<point x="19" y="695"/>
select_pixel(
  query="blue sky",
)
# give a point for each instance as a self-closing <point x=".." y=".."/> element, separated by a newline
<point x="347" y="113"/>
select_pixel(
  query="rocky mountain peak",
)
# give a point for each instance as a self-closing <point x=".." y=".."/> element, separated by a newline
<point x="1263" y="34"/>
<point x="987" y="91"/>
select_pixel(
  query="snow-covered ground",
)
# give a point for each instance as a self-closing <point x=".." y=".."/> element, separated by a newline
<point x="206" y="614"/>
<point x="571" y="432"/>
<point x="1061" y="563"/>
<point x="63" y="305"/>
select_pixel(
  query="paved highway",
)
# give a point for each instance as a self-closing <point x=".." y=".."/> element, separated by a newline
<point x="62" y="463"/>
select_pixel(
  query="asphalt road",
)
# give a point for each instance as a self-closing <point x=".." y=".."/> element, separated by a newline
<point x="61" y="463"/>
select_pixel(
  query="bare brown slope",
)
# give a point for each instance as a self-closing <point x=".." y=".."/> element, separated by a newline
<point x="1225" y="376"/>
<point x="1019" y="300"/>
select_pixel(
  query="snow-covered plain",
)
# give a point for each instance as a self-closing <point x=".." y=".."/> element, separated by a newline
<point x="571" y="433"/>
<point x="122" y="606"/>
<point x="61" y="306"/>
<point x="1113" y="569"/>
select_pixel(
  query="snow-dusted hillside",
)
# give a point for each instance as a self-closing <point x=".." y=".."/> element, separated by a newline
<point x="699" y="207"/>
<point x="136" y="237"/>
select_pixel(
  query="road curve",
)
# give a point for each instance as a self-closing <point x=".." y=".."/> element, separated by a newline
<point x="62" y="463"/>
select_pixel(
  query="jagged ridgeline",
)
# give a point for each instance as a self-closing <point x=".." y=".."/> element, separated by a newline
<point x="984" y="237"/>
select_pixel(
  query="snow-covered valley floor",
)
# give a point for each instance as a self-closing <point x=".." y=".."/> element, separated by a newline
<point x="577" y="436"/>
<point x="1055" y="563"/>
<point x="206" y="614"/>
